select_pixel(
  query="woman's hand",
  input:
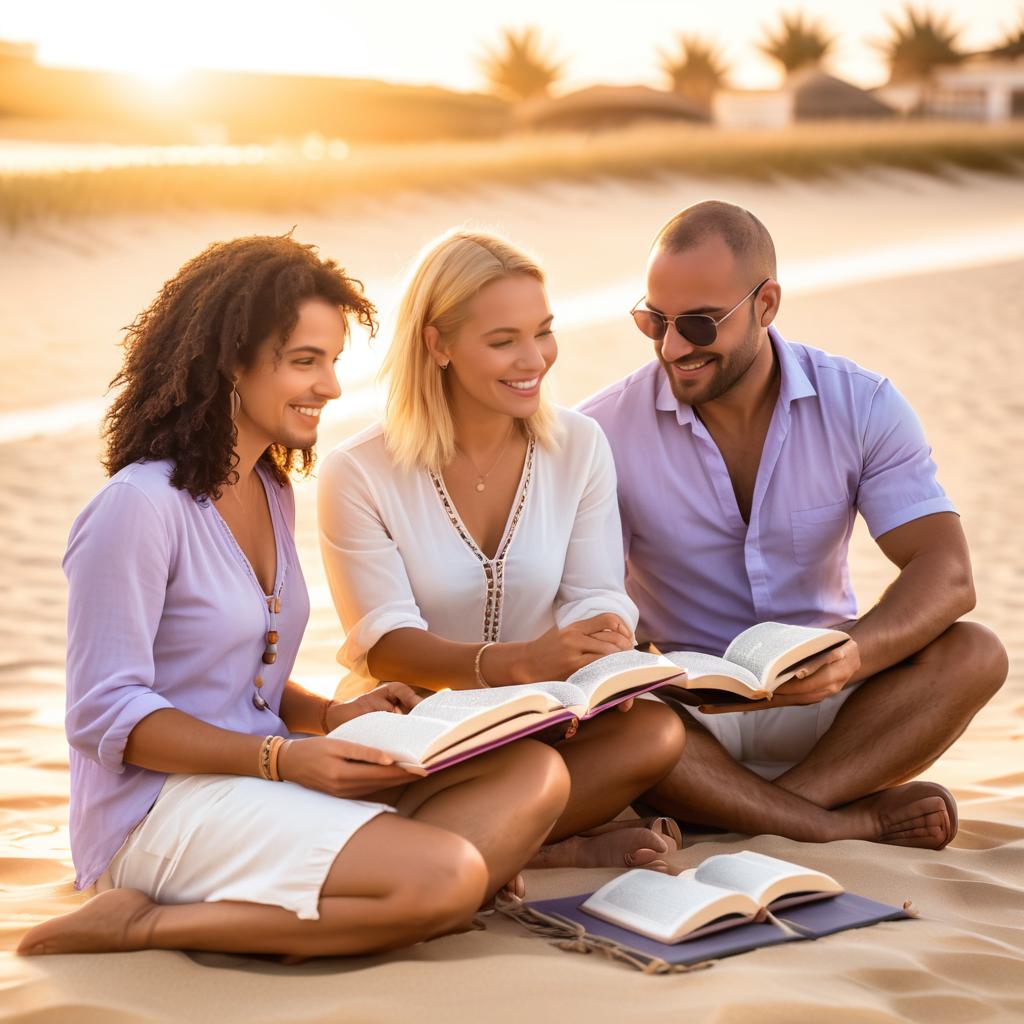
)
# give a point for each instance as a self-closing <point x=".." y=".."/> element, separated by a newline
<point x="340" y="768"/>
<point x="561" y="651"/>
<point x="394" y="697"/>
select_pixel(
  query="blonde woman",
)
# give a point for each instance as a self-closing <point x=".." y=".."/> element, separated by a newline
<point x="473" y="538"/>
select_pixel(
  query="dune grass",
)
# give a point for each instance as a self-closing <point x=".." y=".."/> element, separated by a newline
<point x="804" y="151"/>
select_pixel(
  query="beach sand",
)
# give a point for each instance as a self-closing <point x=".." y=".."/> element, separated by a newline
<point x="949" y="336"/>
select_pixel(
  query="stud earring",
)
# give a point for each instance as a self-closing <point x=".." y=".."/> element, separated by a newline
<point x="444" y="366"/>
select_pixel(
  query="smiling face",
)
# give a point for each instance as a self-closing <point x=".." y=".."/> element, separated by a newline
<point x="501" y="352"/>
<point x="283" y="393"/>
<point x="707" y="278"/>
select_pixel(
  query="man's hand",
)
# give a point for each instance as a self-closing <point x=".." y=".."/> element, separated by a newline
<point x="818" y="678"/>
<point x="395" y="697"/>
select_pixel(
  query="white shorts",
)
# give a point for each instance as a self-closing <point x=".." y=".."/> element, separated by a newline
<point x="771" y="742"/>
<point x="234" y="837"/>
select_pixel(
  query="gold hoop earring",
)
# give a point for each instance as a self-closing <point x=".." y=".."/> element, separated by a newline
<point x="236" y="402"/>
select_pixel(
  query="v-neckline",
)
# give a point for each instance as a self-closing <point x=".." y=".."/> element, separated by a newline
<point x="243" y="557"/>
<point x="511" y="522"/>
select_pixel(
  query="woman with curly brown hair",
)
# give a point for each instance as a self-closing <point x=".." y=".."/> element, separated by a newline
<point x="206" y="801"/>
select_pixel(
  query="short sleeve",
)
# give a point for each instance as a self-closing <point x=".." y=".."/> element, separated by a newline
<point x="898" y="477"/>
<point x="367" y="576"/>
<point x="593" y="576"/>
<point x="117" y="565"/>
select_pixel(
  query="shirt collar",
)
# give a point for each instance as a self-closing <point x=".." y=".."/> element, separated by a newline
<point x="794" y="382"/>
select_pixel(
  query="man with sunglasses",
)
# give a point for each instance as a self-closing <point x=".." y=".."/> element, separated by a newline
<point x="742" y="460"/>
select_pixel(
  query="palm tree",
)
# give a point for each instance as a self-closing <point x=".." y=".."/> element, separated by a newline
<point x="918" y="45"/>
<point x="798" y="43"/>
<point x="1012" y="45"/>
<point x="697" y="69"/>
<point x="521" y="67"/>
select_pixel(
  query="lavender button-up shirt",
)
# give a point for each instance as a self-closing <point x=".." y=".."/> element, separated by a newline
<point x="164" y="611"/>
<point x="841" y="440"/>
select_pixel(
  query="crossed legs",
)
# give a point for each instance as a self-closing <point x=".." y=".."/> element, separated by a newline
<point x="854" y="783"/>
<point x="400" y="879"/>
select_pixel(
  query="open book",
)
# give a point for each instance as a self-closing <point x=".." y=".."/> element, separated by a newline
<point x="801" y="905"/>
<point x="453" y="725"/>
<point x="754" y="664"/>
<point x="725" y="891"/>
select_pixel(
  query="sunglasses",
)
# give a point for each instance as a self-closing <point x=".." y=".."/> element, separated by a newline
<point x="696" y="328"/>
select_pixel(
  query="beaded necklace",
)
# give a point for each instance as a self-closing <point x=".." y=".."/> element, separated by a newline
<point x="269" y="655"/>
<point x="271" y="602"/>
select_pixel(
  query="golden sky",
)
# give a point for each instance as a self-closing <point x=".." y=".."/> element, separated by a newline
<point x="439" y="42"/>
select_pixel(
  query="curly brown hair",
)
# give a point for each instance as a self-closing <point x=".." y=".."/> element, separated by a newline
<point x="183" y="351"/>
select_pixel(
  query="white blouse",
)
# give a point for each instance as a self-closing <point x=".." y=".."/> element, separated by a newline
<point x="397" y="554"/>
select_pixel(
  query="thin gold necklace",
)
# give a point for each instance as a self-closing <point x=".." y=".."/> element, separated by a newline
<point x="482" y="477"/>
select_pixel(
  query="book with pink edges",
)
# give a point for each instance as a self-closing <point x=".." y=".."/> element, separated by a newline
<point x="453" y="725"/>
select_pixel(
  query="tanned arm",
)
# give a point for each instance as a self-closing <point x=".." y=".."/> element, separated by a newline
<point x="169" y="740"/>
<point x="934" y="588"/>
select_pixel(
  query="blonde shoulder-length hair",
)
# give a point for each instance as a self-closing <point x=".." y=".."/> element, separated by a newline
<point x="450" y="271"/>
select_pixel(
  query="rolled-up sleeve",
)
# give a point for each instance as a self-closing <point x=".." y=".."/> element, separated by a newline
<point x="593" y="577"/>
<point x="117" y="565"/>
<point x="898" y="479"/>
<point x="367" y="576"/>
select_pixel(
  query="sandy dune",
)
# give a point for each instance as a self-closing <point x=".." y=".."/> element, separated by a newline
<point x="950" y="338"/>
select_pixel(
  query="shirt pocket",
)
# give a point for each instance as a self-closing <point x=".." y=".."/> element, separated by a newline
<point x="818" y="532"/>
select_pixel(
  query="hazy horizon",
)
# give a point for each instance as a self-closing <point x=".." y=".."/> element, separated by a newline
<point x="441" y="45"/>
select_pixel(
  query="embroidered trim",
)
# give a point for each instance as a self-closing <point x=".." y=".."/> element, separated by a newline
<point x="494" y="569"/>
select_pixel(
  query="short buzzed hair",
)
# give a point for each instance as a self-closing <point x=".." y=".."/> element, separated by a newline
<point x="746" y="237"/>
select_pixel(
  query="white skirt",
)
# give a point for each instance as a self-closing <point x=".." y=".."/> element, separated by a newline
<point x="234" y="837"/>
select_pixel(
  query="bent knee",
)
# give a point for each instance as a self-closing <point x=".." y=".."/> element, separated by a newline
<point x="445" y="887"/>
<point x="660" y="730"/>
<point x="544" y="774"/>
<point x="655" y="737"/>
<point x="976" y="655"/>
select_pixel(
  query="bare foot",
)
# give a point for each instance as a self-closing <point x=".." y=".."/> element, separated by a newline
<point x="515" y="887"/>
<point x="512" y="890"/>
<point x="621" y="847"/>
<point x="918" y="814"/>
<point x="115" y="921"/>
<point x="667" y="828"/>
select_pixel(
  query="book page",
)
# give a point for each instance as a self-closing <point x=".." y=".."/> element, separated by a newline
<point x="619" y="672"/>
<point x="664" y="907"/>
<point x="404" y="737"/>
<point x="707" y="670"/>
<point x="759" y="648"/>
<point x="487" y="705"/>
<point x="761" y="877"/>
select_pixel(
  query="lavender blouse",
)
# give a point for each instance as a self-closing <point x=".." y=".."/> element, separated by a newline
<point x="164" y="611"/>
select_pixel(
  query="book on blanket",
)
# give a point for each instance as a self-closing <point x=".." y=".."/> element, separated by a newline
<point x="725" y="891"/>
<point x="759" y="660"/>
<point x="453" y="725"/>
<point x="792" y="904"/>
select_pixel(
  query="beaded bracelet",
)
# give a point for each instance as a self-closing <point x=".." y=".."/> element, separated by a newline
<point x="264" y="758"/>
<point x="480" y="681"/>
<point x="275" y="753"/>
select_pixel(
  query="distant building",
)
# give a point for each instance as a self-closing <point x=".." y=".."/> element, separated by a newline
<point x="608" y="106"/>
<point x="809" y="95"/>
<point x="983" y="87"/>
